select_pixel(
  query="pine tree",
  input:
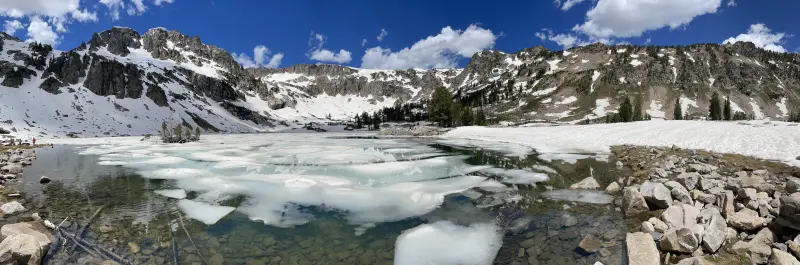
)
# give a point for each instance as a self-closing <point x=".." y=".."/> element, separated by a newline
<point x="637" y="109"/>
<point x="197" y="134"/>
<point x="358" y="121"/>
<point x="678" y="113"/>
<point x="376" y="121"/>
<point x="164" y="132"/>
<point x="480" y="118"/>
<point x="440" y="107"/>
<point x="726" y="112"/>
<point x="178" y="133"/>
<point x="467" y="117"/>
<point x="626" y="110"/>
<point x="714" y="108"/>
<point x="187" y="134"/>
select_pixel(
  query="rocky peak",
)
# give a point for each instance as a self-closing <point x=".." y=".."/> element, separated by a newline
<point x="172" y="45"/>
<point x="117" y="40"/>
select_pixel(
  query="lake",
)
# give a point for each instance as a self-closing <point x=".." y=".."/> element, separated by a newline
<point x="327" y="198"/>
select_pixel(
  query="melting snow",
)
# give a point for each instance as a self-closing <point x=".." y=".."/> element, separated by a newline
<point x="780" y="143"/>
<point x="176" y="193"/>
<point x="207" y="213"/>
<point x="443" y="242"/>
<point x="517" y="176"/>
<point x="636" y="63"/>
<point x="656" y="109"/>
<point x="622" y="79"/>
<point x="553" y="66"/>
<point x="595" y="75"/>
<point x="567" y="53"/>
<point x="711" y="82"/>
<point x="756" y="110"/>
<point x="567" y="100"/>
<point x="674" y="74"/>
<point x="782" y="107"/>
<point x="544" y="91"/>
<point x="689" y="56"/>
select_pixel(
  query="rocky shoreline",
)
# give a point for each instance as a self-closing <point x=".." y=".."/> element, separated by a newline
<point x="692" y="207"/>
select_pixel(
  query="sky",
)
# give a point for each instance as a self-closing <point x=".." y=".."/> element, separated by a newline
<point x="401" y="34"/>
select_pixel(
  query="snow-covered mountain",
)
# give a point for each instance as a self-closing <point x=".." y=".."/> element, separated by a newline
<point x="124" y="83"/>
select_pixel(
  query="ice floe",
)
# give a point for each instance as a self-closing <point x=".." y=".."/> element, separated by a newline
<point x="443" y="242"/>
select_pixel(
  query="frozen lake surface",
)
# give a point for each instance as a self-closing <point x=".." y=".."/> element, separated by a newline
<point x="329" y="198"/>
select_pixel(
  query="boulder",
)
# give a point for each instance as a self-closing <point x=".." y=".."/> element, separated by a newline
<point x="641" y="249"/>
<point x="700" y="168"/>
<point x="748" y="194"/>
<point x="12" y="169"/>
<point x="613" y="188"/>
<point x="789" y="213"/>
<point x="707" y="183"/>
<point x="648" y="227"/>
<point x="746" y="219"/>
<point x="780" y="257"/>
<point x="658" y="225"/>
<point x="590" y="244"/>
<point x="12" y="207"/>
<point x="695" y="261"/>
<point x="689" y="180"/>
<point x="727" y="201"/>
<point x="792" y="185"/>
<point x="656" y="195"/>
<point x="42" y="235"/>
<point x="21" y="249"/>
<point x="679" y="192"/>
<point x="656" y="173"/>
<point x="586" y="184"/>
<point x="714" y="235"/>
<point x="759" y="253"/>
<point x="633" y="203"/>
<point x="680" y="216"/>
<point x="681" y="240"/>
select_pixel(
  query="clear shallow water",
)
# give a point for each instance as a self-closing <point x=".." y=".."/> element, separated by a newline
<point x="322" y="199"/>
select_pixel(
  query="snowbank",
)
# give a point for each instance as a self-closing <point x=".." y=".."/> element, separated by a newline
<point x="771" y="140"/>
<point x="446" y="243"/>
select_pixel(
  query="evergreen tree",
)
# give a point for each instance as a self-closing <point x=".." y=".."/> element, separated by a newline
<point x="164" y="132"/>
<point x="187" y="134"/>
<point x="726" y="112"/>
<point x="358" y="121"/>
<point x="637" y="109"/>
<point x="677" y="113"/>
<point x="480" y="118"/>
<point x="178" y="133"/>
<point x="626" y="110"/>
<point x="467" y="117"/>
<point x="376" y="121"/>
<point x="440" y="109"/>
<point x="197" y="134"/>
<point x="714" y="109"/>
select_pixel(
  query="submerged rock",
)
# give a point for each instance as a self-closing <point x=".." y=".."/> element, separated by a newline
<point x="589" y="244"/>
<point x="586" y="184"/>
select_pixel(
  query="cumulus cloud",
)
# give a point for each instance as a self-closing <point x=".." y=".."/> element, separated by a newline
<point x="382" y="35"/>
<point x="318" y="53"/>
<point x="564" y="40"/>
<point x="567" y="4"/>
<point x="363" y="42"/>
<point x="731" y="3"/>
<point x="50" y="18"/>
<point x="11" y="26"/>
<point x="762" y="37"/>
<point x="40" y="31"/>
<point x="260" y="55"/>
<point x="438" y="51"/>
<point x="631" y="18"/>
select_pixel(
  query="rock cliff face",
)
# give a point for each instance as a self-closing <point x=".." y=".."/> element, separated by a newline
<point x="123" y="82"/>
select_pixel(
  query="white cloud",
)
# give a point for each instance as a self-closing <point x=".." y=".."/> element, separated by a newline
<point x="113" y="6"/>
<point x="382" y="35"/>
<point x="159" y="2"/>
<point x="567" y="4"/>
<point x="260" y="55"/>
<point x="275" y="61"/>
<point x="731" y="3"/>
<point x="442" y="50"/>
<point x="647" y="41"/>
<point x="564" y="40"/>
<point x="324" y="55"/>
<point x="631" y="18"/>
<point x="317" y="53"/>
<point x="363" y="42"/>
<point x="48" y="8"/>
<point x="762" y="37"/>
<point x="11" y="26"/>
<point x="40" y="31"/>
<point x="84" y="15"/>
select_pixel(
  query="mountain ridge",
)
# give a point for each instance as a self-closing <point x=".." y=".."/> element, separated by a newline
<point x="122" y="82"/>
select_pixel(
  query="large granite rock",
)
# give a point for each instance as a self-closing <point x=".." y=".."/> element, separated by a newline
<point x="746" y="219"/>
<point x="586" y="184"/>
<point x="681" y="240"/>
<point x="656" y="195"/>
<point x="42" y="235"/>
<point x="633" y="203"/>
<point x="641" y="249"/>
<point x="21" y="249"/>
<point x="780" y="257"/>
<point x="714" y="235"/>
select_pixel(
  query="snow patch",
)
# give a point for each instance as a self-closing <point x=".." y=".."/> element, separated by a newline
<point x="636" y="63"/>
<point x="782" y="107"/>
<point x="443" y="243"/>
<point x="595" y="75"/>
<point x="567" y="100"/>
<point x="175" y="194"/>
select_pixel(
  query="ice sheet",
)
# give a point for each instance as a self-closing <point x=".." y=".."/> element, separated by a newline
<point x="443" y="243"/>
<point x="175" y="194"/>
<point x="517" y="176"/>
<point x="204" y="212"/>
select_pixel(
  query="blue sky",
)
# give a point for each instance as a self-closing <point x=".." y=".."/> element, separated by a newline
<point x="282" y="33"/>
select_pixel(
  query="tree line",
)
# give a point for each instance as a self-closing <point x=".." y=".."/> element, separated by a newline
<point x="717" y="110"/>
<point x="627" y="112"/>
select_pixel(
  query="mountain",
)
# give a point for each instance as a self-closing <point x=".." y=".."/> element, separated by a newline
<point x="121" y="82"/>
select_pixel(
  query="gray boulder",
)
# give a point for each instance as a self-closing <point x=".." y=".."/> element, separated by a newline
<point x="656" y="194"/>
<point x="21" y="249"/>
<point x="680" y="215"/>
<point x="679" y="192"/>
<point x="682" y="240"/>
<point x="612" y="188"/>
<point x="789" y="213"/>
<point x="633" y="203"/>
<point x="641" y="249"/>
<point x="758" y="248"/>
<point x="746" y="219"/>
<point x="689" y="180"/>
<point x="748" y="194"/>
<point x="714" y="235"/>
<point x="780" y="257"/>
<point x="700" y="168"/>
<point x="792" y="185"/>
<point x="586" y="184"/>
